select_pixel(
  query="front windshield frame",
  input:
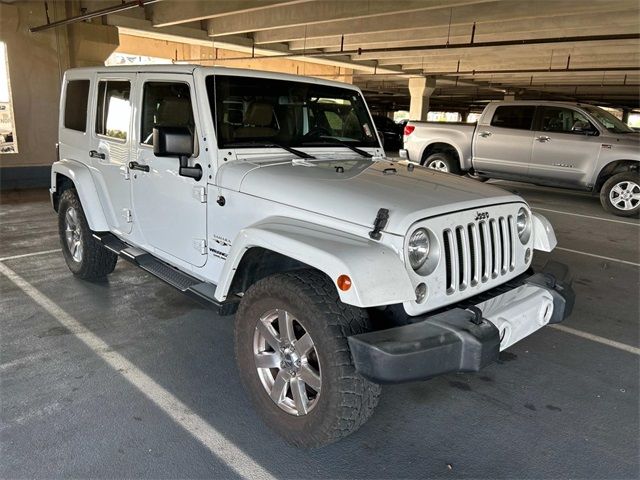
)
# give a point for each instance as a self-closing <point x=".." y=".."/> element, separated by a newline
<point x="296" y="107"/>
<point x="604" y="118"/>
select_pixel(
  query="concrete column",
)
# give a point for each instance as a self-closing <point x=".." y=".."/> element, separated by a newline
<point x="625" y="115"/>
<point x="420" y="89"/>
<point x="509" y="97"/>
<point x="464" y="115"/>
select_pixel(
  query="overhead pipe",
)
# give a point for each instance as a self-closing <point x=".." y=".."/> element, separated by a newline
<point x="96" y="13"/>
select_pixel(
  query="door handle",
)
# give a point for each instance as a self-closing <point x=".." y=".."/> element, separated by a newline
<point x="485" y="134"/>
<point x="138" y="166"/>
<point x="543" y="138"/>
<point x="97" y="154"/>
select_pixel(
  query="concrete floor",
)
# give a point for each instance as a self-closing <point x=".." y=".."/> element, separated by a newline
<point x="556" y="405"/>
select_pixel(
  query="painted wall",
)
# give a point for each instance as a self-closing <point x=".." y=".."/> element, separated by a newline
<point x="37" y="62"/>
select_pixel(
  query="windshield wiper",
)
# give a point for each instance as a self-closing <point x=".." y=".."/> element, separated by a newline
<point x="271" y="144"/>
<point x="334" y="142"/>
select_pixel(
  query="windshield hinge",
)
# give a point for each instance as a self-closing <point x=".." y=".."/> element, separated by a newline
<point x="200" y="194"/>
<point x="379" y="223"/>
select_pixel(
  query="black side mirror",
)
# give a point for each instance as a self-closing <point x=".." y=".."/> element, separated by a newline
<point x="176" y="142"/>
<point x="584" y="127"/>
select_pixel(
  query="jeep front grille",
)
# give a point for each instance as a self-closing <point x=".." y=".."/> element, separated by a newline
<point x="478" y="252"/>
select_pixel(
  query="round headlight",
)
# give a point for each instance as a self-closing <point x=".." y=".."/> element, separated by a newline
<point x="523" y="225"/>
<point x="418" y="248"/>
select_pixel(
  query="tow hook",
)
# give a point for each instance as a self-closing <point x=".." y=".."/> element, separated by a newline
<point x="477" y="315"/>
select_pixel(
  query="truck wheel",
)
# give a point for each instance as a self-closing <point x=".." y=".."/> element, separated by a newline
<point x="620" y="194"/>
<point x="442" y="162"/>
<point x="85" y="257"/>
<point x="294" y="359"/>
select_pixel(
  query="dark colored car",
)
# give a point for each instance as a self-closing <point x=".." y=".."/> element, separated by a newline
<point x="390" y="130"/>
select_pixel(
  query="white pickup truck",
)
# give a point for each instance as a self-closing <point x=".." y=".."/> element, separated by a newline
<point x="270" y="194"/>
<point x="546" y="143"/>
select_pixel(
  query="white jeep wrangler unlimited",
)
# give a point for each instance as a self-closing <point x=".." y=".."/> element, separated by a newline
<point x="271" y="194"/>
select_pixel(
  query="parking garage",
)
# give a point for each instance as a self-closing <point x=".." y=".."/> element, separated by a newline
<point x="128" y="377"/>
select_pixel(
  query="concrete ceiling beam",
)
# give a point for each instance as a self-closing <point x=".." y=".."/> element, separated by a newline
<point x="452" y="13"/>
<point x="515" y="49"/>
<point x="175" y="12"/>
<point x="136" y="26"/>
<point x="571" y="25"/>
<point x="322" y="13"/>
<point x="478" y="63"/>
<point x="612" y="56"/>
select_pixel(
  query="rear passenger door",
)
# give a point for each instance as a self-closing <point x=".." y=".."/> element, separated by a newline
<point x="502" y="146"/>
<point x="111" y="146"/>
<point x="170" y="210"/>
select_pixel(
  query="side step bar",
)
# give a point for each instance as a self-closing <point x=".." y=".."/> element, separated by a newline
<point x="204" y="292"/>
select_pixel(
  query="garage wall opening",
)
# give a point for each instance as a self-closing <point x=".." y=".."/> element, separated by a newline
<point x="8" y="142"/>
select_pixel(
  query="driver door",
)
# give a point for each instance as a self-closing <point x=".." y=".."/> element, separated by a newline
<point x="562" y="156"/>
<point x="170" y="210"/>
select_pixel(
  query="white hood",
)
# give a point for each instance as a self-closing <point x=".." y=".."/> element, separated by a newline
<point x="355" y="189"/>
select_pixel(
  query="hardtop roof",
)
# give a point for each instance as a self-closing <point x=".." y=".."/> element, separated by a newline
<point x="190" y="69"/>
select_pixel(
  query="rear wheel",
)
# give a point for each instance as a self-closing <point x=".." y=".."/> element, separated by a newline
<point x="294" y="360"/>
<point x="85" y="257"/>
<point x="620" y="194"/>
<point x="443" y="162"/>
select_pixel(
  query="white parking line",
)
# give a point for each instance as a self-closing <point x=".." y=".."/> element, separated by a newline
<point x="587" y="216"/>
<point x="597" y="338"/>
<point x="25" y="255"/>
<point x="206" y="434"/>
<point x="611" y="259"/>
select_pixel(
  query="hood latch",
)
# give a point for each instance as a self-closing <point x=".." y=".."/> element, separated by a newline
<point x="379" y="223"/>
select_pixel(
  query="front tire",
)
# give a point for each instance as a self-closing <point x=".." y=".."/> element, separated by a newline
<point x="85" y="257"/>
<point x="620" y="194"/>
<point x="294" y="360"/>
<point x="442" y="162"/>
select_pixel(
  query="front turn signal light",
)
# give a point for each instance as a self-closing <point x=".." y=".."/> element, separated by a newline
<point x="344" y="282"/>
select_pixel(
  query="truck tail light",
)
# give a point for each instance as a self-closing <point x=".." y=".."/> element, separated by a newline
<point x="408" y="130"/>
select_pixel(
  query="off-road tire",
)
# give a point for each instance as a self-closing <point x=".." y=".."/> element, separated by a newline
<point x="605" y="193"/>
<point x="442" y="159"/>
<point x="347" y="399"/>
<point x="96" y="262"/>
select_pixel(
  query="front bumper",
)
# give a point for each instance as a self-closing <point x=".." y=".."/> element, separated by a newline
<point x="467" y="337"/>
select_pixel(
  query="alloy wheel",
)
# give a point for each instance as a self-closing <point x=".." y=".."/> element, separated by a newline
<point x="439" y="165"/>
<point x="287" y="362"/>
<point x="73" y="234"/>
<point x="625" y="195"/>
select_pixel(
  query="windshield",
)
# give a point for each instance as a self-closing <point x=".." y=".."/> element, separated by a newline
<point x="608" y="121"/>
<point x="251" y="111"/>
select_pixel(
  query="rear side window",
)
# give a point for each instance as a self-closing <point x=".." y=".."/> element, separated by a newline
<point x="519" y="117"/>
<point x="165" y="105"/>
<point x="114" y="109"/>
<point x="75" y="105"/>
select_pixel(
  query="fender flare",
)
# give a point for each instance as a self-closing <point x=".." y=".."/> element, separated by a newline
<point x="544" y="237"/>
<point x="444" y="141"/>
<point x="82" y="180"/>
<point x="377" y="272"/>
